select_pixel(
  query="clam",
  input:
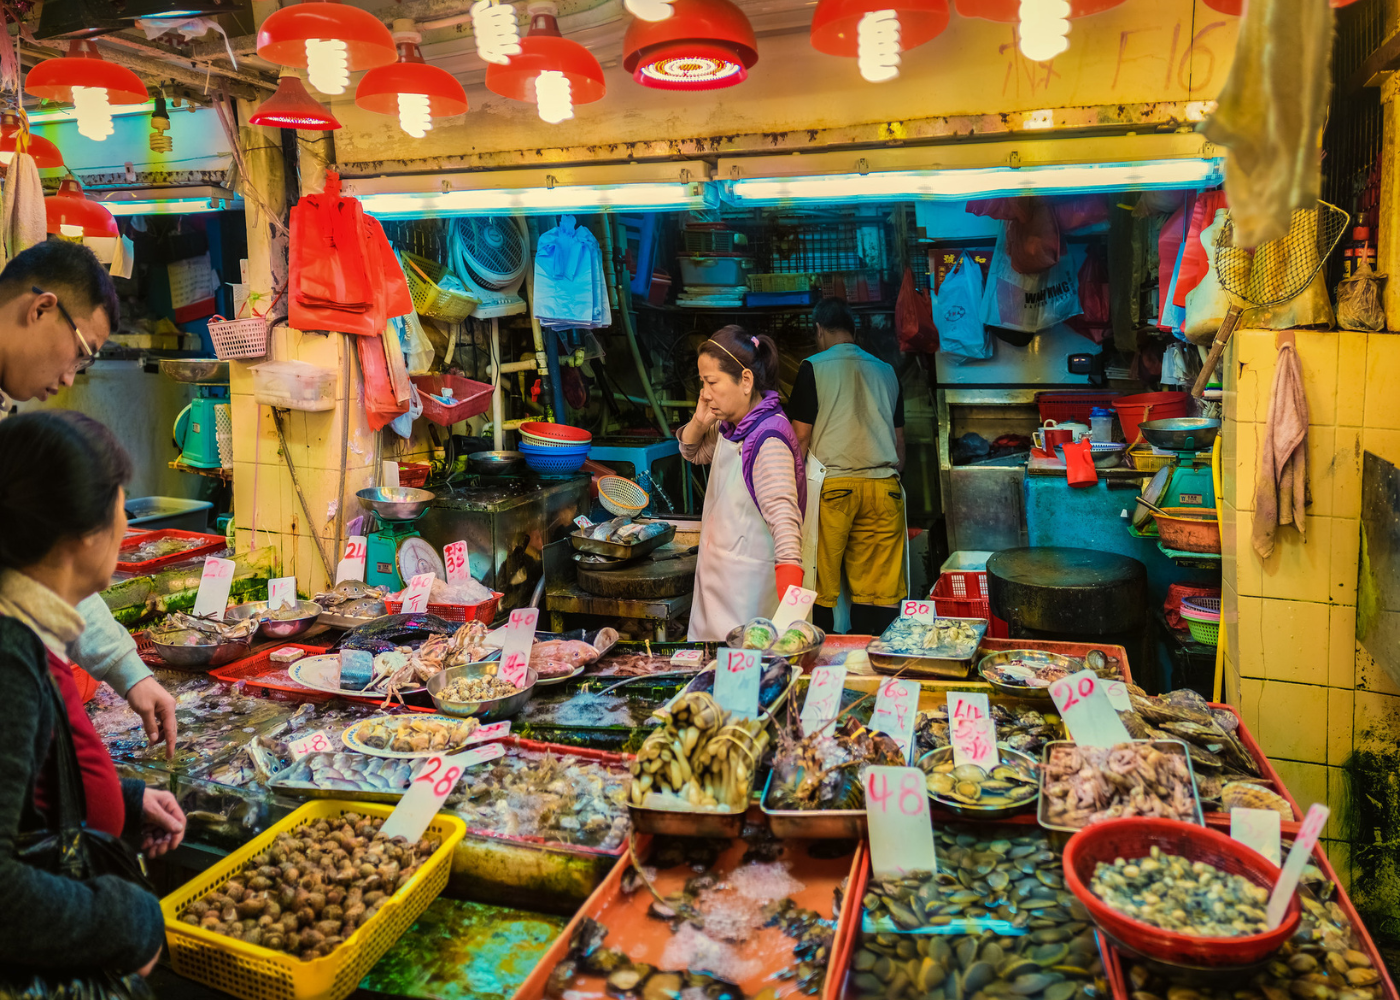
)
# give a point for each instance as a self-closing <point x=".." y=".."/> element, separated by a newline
<point x="969" y="772"/>
<point x="941" y="783"/>
<point x="967" y="791"/>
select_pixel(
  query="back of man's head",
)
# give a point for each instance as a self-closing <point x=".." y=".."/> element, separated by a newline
<point x="69" y="270"/>
<point x="833" y="315"/>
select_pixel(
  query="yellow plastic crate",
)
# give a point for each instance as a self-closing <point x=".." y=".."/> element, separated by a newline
<point x="1144" y="460"/>
<point x="256" y="973"/>
<point x="429" y="298"/>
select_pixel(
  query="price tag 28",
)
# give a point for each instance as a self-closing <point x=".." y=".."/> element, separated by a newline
<point x="1089" y="718"/>
<point x="823" y="702"/>
<point x="515" y="649"/>
<point x="737" y="676"/>
<point x="454" y="557"/>
<point x="311" y="743"/>
<point x="352" y="563"/>
<point x="796" y="605"/>
<point x="430" y="787"/>
<point x="971" y="730"/>
<point x="897" y="711"/>
<point x="1259" y="829"/>
<point x="415" y="595"/>
<point x="214" y="585"/>
<point x="901" y="831"/>
<point x="920" y="611"/>
<point x="1298" y="859"/>
<point x="281" y="592"/>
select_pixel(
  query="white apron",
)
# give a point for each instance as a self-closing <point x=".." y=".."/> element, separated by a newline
<point x="816" y="475"/>
<point x="735" y="574"/>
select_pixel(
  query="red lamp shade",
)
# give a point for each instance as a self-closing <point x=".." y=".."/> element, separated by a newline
<point x="282" y="37"/>
<point x="69" y="210"/>
<point x="380" y="88"/>
<point x="54" y="79"/>
<point x="45" y="153"/>
<point x="1010" y="10"/>
<point x="292" y="107"/>
<point x="543" y="50"/>
<point x="703" y="45"/>
<point x="834" y="22"/>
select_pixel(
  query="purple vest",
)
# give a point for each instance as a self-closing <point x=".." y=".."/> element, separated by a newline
<point x="764" y="421"/>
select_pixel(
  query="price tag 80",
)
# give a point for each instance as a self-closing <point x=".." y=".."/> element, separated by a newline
<point x="921" y="611"/>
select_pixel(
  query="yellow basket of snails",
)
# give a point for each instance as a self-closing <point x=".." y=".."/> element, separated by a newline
<point x="255" y="972"/>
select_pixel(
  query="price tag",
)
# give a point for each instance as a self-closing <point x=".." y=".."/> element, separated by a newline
<point x="920" y="611"/>
<point x="901" y="831"/>
<point x="519" y="637"/>
<point x="970" y="727"/>
<point x="391" y="473"/>
<point x="432" y="784"/>
<point x="823" y="698"/>
<point x="214" y="585"/>
<point x="796" y="605"/>
<point x="454" y="557"/>
<point x="737" y="676"/>
<point x="1259" y="829"/>
<point x="583" y="523"/>
<point x="281" y="591"/>
<point x="1117" y="693"/>
<point x="896" y="712"/>
<point x="495" y="731"/>
<point x="1089" y="718"/>
<point x="1298" y="858"/>
<point x="312" y="743"/>
<point x="415" y="595"/>
<point x="352" y="563"/>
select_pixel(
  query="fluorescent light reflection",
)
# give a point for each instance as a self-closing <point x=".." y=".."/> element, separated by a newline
<point x="173" y="206"/>
<point x="540" y="200"/>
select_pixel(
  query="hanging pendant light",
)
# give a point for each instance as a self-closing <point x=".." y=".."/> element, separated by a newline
<point x="551" y="71"/>
<point x="410" y="88"/>
<point x="71" y="213"/>
<point x="330" y="40"/>
<point x="292" y="107"/>
<point x="703" y="45"/>
<point x="875" y="32"/>
<point x="1042" y="26"/>
<point x="496" y="31"/>
<point x="90" y="83"/>
<point x="649" y="10"/>
<point x="45" y="153"/>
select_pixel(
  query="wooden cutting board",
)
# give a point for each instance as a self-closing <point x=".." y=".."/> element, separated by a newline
<point x="641" y="581"/>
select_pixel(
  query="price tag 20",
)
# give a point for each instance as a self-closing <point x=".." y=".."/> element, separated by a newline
<point x="897" y="712"/>
<point x="823" y="702"/>
<point x="1259" y="829"/>
<point x="415" y="595"/>
<point x="971" y="730"/>
<point x="214" y="585"/>
<point x="454" y="557"/>
<point x="901" y="831"/>
<point x="515" y="650"/>
<point x="796" y="605"/>
<point x="430" y="787"/>
<point x="1298" y="859"/>
<point x="281" y="592"/>
<point x="920" y="611"/>
<point x="1083" y="704"/>
<point x="737" y="676"/>
<point x="311" y="743"/>
<point x="352" y="563"/>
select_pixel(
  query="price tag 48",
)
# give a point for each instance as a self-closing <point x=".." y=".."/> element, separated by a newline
<point x="901" y="831"/>
<point x="311" y="743"/>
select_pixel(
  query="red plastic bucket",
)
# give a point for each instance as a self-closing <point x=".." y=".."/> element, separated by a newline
<point x="1133" y="410"/>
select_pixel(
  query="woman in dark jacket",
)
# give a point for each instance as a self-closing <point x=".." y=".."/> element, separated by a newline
<point x="61" y="507"/>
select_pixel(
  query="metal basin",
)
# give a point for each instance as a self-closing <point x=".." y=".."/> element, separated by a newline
<point x="1031" y="658"/>
<point x="1181" y="433"/>
<point x="496" y="463"/>
<point x="272" y="628"/>
<point x="208" y="657"/>
<point x="486" y="711"/>
<point x="804" y="656"/>
<point x="396" y="503"/>
<point x="195" y="371"/>
<point x="1004" y="753"/>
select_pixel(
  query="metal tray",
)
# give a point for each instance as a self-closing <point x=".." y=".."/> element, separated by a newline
<point x="813" y="824"/>
<point x="490" y="709"/>
<point x="688" y="823"/>
<point x="354" y="795"/>
<point x="1039" y="656"/>
<point x="622" y="550"/>
<point x="977" y="812"/>
<point x="955" y="663"/>
<point x="1167" y="746"/>
<point x="343" y="621"/>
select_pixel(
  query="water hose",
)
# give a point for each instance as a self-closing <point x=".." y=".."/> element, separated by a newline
<point x="617" y="294"/>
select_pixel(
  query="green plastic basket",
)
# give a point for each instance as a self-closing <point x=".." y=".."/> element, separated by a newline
<point x="1204" y="632"/>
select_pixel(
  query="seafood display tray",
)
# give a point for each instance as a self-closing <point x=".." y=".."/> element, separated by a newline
<point x="263" y="678"/>
<point x="1166" y="746"/>
<point x="1266" y="769"/>
<point x="953" y="663"/>
<point x="812" y="824"/>
<point x="622" y="550"/>
<point x="1040" y="657"/>
<point x="208" y="545"/>
<point x="344" y="621"/>
<point x="1078" y="650"/>
<point x="713" y="822"/>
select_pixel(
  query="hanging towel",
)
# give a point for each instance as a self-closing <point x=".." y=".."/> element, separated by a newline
<point x="1271" y="112"/>
<point x="1282" y="489"/>
<point x="23" y="222"/>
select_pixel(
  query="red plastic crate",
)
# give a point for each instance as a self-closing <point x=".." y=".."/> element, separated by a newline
<point x="211" y="544"/>
<point x="473" y="398"/>
<point x="414" y="474"/>
<point x="1062" y="406"/>
<point x="963" y="594"/>
<point x="262" y="677"/>
<point x="483" y="612"/>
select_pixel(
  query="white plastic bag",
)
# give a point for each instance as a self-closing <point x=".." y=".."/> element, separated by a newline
<point x="402" y="425"/>
<point x="1029" y="302"/>
<point x="417" y="349"/>
<point x="957" y="309"/>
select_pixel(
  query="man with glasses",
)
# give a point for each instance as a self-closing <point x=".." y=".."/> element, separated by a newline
<point x="57" y="309"/>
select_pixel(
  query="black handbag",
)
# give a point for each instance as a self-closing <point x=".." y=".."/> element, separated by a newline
<point x="74" y="851"/>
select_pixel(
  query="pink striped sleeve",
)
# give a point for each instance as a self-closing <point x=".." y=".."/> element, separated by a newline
<point x="775" y="483"/>
<point x="702" y="453"/>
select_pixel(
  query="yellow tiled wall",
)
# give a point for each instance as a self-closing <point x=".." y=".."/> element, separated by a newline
<point x="1293" y="667"/>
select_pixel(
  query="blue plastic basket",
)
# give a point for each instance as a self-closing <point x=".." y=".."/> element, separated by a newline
<point x="555" y="460"/>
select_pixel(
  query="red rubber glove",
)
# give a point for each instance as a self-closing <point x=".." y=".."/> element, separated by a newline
<point x="789" y="575"/>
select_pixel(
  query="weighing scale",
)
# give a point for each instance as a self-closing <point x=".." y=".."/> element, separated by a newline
<point x="204" y="429"/>
<point x="1184" y="481"/>
<point x="395" y="551"/>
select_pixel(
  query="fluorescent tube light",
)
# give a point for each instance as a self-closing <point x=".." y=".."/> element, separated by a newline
<point x="69" y="115"/>
<point x="190" y="200"/>
<point x="645" y="196"/>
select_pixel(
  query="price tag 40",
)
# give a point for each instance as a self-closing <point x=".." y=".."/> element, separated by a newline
<point x="796" y="605"/>
<point x="430" y="787"/>
<point x="454" y="558"/>
<point x="737" y="676"/>
<point x="214" y="585"/>
<point x="415" y="595"/>
<point x="901" y="831"/>
<point x="920" y="611"/>
<point x="823" y="702"/>
<point x="1083" y="704"/>
<point x="515" y="649"/>
<point x="311" y="743"/>
<point x="352" y="562"/>
<point x="971" y="730"/>
<point x="897" y="712"/>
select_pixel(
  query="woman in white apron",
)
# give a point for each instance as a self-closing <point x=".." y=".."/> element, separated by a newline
<point x="751" y="527"/>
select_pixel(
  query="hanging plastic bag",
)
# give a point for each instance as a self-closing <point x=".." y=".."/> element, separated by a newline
<point x="957" y="309"/>
<point x="1207" y="303"/>
<point x="1198" y="257"/>
<point x="402" y="425"/>
<point x="417" y="349"/>
<point x="1028" y="302"/>
<point x="394" y="298"/>
<point x="913" y="318"/>
<point x="1095" y="321"/>
<point x="329" y="270"/>
<point x="1032" y="231"/>
<point x="381" y="402"/>
<point x="1359" y="301"/>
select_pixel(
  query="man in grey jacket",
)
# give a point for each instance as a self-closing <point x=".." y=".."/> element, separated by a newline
<point x="57" y="308"/>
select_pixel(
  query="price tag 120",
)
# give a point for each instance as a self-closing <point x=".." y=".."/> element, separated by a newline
<point x="1259" y="829"/>
<point x="1083" y="704"/>
<point x="515" y="647"/>
<point x="1298" y="859"/>
<point x="972" y="732"/>
<point x="823" y="701"/>
<point x="896" y="712"/>
<point x="415" y="595"/>
<point x="352" y="563"/>
<point x="901" y="831"/>
<point x="920" y="611"/>
<point x="796" y="605"/>
<point x="281" y="592"/>
<point x="430" y="787"/>
<point x="737" y="676"/>
<point x="214" y="585"/>
<point x="454" y="557"/>
<point x="311" y="743"/>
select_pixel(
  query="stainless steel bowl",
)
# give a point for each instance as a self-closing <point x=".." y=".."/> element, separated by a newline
<point x="208" y="657"/>
<point x="496" y="463"/>
<point x="396" y="503"/>
<point x="195" y="371"/>
<point x="1181" y="433"/>
<point x="272" y="628"/>
<point x="1004" y="752"/>
<point x="806" y="656"/>
<point x="486" y="711"/>
<point x="1036" y="657"/>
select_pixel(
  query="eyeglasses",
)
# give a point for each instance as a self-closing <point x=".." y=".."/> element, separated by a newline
<point x="89" y="356"/>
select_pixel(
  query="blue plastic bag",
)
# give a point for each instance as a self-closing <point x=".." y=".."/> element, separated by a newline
<point x="957" y="307"/>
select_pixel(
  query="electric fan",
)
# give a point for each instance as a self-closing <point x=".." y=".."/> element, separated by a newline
<point x="490" y="255"/>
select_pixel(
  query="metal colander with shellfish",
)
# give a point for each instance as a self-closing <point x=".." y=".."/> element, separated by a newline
<point x="975" y="791"/>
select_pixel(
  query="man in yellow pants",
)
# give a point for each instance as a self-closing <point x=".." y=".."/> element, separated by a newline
<point x="848" y="411"/>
